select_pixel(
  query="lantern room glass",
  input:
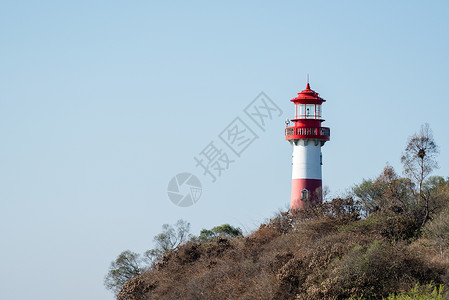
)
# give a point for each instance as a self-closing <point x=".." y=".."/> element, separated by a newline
<point x="308" y="111"/>
<point x="300" y="111"/>
<point x="318" y="112"/>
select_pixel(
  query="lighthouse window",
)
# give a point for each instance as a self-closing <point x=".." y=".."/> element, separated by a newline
<point x="304" y="195"/>
<point x="310" y="111"/>
<point x="301" y="110"/>
<point x="318" y="111"/>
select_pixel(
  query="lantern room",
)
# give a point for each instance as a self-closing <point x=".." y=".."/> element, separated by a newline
<point x="308" y="117"/>
<point x="308" y="111"/>
<point x="308" y="105"/>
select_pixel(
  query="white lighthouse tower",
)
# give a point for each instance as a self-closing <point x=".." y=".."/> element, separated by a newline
<point x="307" y="137"/>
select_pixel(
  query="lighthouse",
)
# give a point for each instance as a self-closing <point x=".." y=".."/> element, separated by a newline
<point x="307" y="137"/>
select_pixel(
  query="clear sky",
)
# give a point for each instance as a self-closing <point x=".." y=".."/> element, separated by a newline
<point x="103" y="102"/>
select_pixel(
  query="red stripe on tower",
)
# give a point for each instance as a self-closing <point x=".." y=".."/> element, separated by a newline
<point x="307" y="137"/>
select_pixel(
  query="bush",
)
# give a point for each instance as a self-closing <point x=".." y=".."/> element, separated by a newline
<point x="437" y="231"/>
<point x="225" y="230"/>
<point x="426" y="292"/>
<point x="376" y="271"/>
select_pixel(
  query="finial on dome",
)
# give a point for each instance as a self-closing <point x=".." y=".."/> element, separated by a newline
<point x="308" y="85"/>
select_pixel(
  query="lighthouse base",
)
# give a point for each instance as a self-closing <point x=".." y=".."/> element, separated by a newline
<point x="305" y="193"/>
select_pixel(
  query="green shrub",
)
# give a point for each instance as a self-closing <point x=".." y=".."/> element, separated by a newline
<point x="426" y="292"/>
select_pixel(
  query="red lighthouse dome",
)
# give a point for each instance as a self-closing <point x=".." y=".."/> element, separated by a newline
<point x="307" y="137"/>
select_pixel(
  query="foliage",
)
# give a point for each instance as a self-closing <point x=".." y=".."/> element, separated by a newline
<point x="419" y="158"/>
<point x="170" y="238"/>
<point x="426" y="292"/>
<point x="225" y="230"/>
<point x="393" y="198"/>
<point x="437" y="231"/>
<point x="135" y="288"/>
<point x="125" y="267"/>
<point x="436" y="191"/>
<point x="369" y="193"/>
<point x="128" y="264"/>
<point x="373" y="270"/>
<point x="387" y="192"/>
<point x="339" y="208"/>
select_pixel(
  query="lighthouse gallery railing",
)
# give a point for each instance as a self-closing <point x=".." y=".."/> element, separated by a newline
<point x="322" y="131"/>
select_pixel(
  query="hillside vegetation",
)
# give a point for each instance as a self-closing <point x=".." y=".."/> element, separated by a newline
<point x="326" y="252"/>
<point x="388" y="239"/>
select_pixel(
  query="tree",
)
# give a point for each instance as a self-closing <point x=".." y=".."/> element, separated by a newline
<point x="224" y="230"/>
<point x="369" y="193"/>
<point x="436" y="190"/>
<point x="388" y="191"/>
<point x="126" y="266"/>
<point x="170" y="238"/>
<point x="419" y="160"/>
<point x="129" y="264"/>
<point x="398" y="192"/>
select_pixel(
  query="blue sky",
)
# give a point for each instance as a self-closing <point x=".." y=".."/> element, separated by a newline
<point x="103" y="102"/>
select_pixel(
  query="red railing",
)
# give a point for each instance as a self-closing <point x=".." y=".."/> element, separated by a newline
<point x="307" y="132"/>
